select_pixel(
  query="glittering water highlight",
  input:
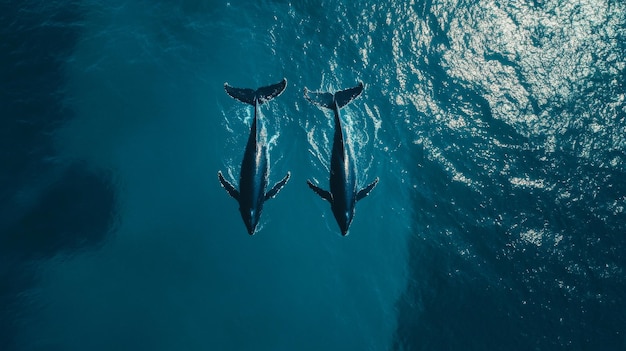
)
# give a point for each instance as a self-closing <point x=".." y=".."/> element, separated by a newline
<point x="497" y="130"/>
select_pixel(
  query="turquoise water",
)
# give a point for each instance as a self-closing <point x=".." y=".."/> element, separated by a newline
<point x="497" y="131"/>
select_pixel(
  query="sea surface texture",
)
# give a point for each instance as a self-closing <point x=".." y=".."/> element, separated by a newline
<point x="497" y="129"/>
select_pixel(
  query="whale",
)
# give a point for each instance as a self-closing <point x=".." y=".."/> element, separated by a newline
<point x="344" y="193"/>
<point x="254" y="171"/>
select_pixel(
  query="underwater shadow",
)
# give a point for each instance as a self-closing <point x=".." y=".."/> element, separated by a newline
<point x="48" y="208"/>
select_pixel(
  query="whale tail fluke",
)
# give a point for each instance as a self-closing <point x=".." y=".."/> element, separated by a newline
<point x="326" y="100"/>
<point x="265" y="94"/>
<point x="337" y="100"/>
<point x="260" y="96"/>
<point x="344" y="97"/>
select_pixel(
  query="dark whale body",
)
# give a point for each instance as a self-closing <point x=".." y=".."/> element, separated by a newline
<point x="254" y="175"/>
<point x="343" y="194"/>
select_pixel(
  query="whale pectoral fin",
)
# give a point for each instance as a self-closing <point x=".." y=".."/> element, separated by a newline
<point x="229" y="187"/>
<point x="276" y="188"/>
<point x="321" y="192"/>
<point x="366" y="191"/>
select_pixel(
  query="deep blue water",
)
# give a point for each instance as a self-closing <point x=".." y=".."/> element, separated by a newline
<point x="498" y="131"/>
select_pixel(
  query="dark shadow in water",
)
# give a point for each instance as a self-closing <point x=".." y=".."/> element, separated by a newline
<point x="47" y="208"/>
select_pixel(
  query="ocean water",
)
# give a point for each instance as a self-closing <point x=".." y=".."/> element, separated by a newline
<point x="497" y="129"/>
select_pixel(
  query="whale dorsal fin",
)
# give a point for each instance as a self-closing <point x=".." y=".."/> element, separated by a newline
<point x="228" y="187"/>
<point x="366" y="191"/>
<point x="321" y="192"/>
<point x="276" y="188"/>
